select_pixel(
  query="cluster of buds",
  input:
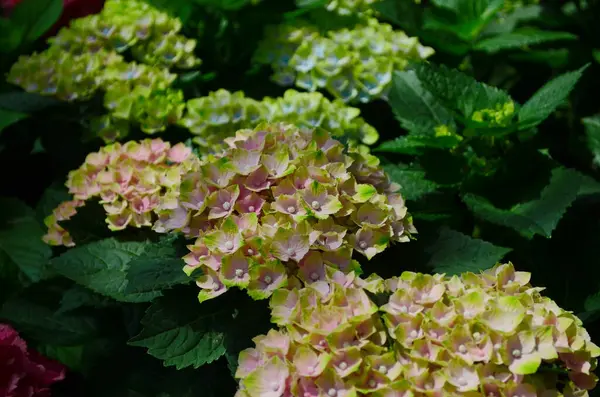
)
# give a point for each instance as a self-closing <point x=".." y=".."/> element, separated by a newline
<point x="213" y="118"/>
<point x="353" y="65"/>
<point x="350" y="7"/>
<point x="490" y="334"/>
<point x="279" y="205"/>
<point x="131" y="182"/>
<point x="152" y="35"/>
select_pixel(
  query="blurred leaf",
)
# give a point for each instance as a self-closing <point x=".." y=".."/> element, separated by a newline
<point x="507" y="23"/>
<point x="21" y="239"/>
<point x="413" y="183"/>
<point x="20" y="101"/>
<point x="51" y="198"/>
<point x="592" y="131"/>
<point x="415" y="145"/>
<point x="79" y="296"/>
<point x="9" y="117"/>
<point x="102" y="266"/>
<point x="37" y="16"/>
<point x="542" y="215"/>
<point x="71" y="356"/>
<point x="454" y="253"/>
<point x="417" y="110"/>
<point x="521" y="38"/>
<point x="555" y="57"/>
<point x="548" y="98"/>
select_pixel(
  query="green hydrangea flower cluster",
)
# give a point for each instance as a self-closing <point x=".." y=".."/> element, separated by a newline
<point x="350" y="7"/>
<point x="130" y="181"/>
<point x="353" y="65"/>
<point x="489" y="334"/>
<point x="279" y="206"/>
<point x="83" y="59"/>
<point x="213" y="118"/>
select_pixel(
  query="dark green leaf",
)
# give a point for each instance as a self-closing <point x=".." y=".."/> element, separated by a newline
<point x="79" y="296"/>
<point x="37" y="16"/>
<point x="182" y="332"/>
<point x="413" y="183"/>
<point x="21" y="239"/>
<point x="456" y="253"/>
<point x="51" y="198"/>
<point x="102" y="266"/>
<point x="9" y="117"/>
<point x="417" y="110"/>
<point x="548" y="98"/>
<point x="414" y="144"/>
<point x="521" y="38"/>
<point x="542" y="215"/>
<point x="25" y="102"/>
<point x="592" y="131"/>
<point x="71" y="356"/>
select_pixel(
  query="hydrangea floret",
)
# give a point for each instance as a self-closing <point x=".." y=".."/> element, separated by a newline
<point x="279" y="205"/>
<point x="354" y="65"/>
<point x="130" y="181"/>
<point x="83" y="60"/>
<point x="213" y="118"/>
<point x="350" y="7"/>
<point x="489" y="334"/>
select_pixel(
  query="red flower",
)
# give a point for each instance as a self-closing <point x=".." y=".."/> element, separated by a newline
<point x="72" y="9"/>
<point x="24" y="372"/>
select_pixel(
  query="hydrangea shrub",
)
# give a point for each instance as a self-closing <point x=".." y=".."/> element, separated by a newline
<point x="279" y="205"/>
<point x="488" y="334"/>
<point x="354" y="65"/>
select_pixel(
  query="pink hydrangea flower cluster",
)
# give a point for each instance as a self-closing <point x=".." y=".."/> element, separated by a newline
<point x="279" y="205"/>
<point x="130" y="180"/>
<point x="23" y="371"/>
<point x="489" y="334"/>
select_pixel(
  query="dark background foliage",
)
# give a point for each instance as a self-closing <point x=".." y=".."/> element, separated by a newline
<point x="103" y="335"/>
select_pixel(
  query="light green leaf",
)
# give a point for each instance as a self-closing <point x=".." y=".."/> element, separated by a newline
<point x="413" y="183"/>
<point x="37" y="16"/>
<point x="461" y="92"/>
<point x="592" y="132"/>
<point x="102" y="266"/>
<point x="455" y="253"/>
<point x="506" y="24"/>
<point x="548" y="98"/>
<point x="417" y="110"/>
<point x="184" y="333"/>
<point x="521" y="38"/>
<point x="542" y="215"/>
<point x="9" y="117"/>
<point x="21" y="240"/>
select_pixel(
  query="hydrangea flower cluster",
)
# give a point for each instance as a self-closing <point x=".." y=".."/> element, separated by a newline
<point x="353" y="65"/>
<point x="84" y="59"/>
<point x="349" y="7"/>
<point x="213" y="118"/>
<point x="279" y="205"/>
<point x="130" y="181"/>
<point x="490" y="334"/>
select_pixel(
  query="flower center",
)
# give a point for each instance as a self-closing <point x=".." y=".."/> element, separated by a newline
<point x="268" y="279"/>
<point x="291" y="209"/>
<point x="314" y="276"/>
<point x="516" y="353"/>
<point x="239" y="272"/>
<point x="226" y="205"/>
<point x="382" y="369"/>
<point x="251" y="208"/>
<point x="363" y="245"/>
<point x="403" y="309"/>
<point x="315" y="205"/>
<point x="216" y="287"/>
<point x="229" y="245"/>
<point x="462" y="349"/>
<point x="497" y="346"/>
<point x="250" y="251"/>
<point x="372" y="383"/>
<point x="332" y="392"/>
<point x="343" y="365"/>
<point x="476" y="336"/>
<point x="414" y="333"/>
<point x="275" y="386"/>
<point x="462" y="381"/>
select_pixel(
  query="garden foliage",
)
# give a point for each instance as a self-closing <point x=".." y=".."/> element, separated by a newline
<point x="268" y="198"/>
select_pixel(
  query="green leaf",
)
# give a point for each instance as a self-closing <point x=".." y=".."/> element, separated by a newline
<point x="26" y="102"/>
<point x="592" y="132"/>
<point x="521" y="38"/>
<point x="21" y="239"/>
<point x="33" y="314"/>
<point x="456" y="253"/>
<point x="159" y="268"/>
<point x="51" y="198"/>
<point x="417" y="110"/>
<point x="9" y="117"/>
<point x="537" y="216"/>
<point x="415" y="144"/>
<point x="37" y="16"/>
<point x="102" y="266"/>
<point x="413" y="183"/>
<point x="183" y="332"/>
<point x="71" y="356"/>
<point x="507" y="24"/>
<point x="592" y="308"/>
<point x="78" y="296"/>
<point x="459" y="91"/>
<point x="548" y="98"/>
